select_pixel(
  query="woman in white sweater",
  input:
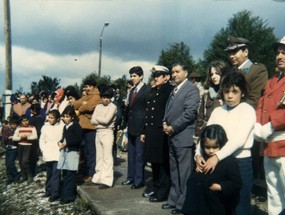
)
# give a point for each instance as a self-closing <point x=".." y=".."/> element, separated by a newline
<point x="238" y="119"/>
<point x="51" y="134"/>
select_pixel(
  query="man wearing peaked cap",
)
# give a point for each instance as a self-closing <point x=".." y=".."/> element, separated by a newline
<point x="256" y="78"/>
<point x="155" y="140"/>
<point x="159" y="70"/>
<point x="255" y="73"/>
<point x="236" y="43"/>
<point x="270" y="127"/>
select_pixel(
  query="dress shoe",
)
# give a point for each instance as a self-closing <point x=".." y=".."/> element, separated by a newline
<point x="137" y="186"/>
<point x="148" y="195"/>
<point x="66" y="201"/>
<point x="103" y="186"/>
<point x="87" y="179"/>
<point x="53" y="198"/>
<point x="127" y="182"/>
<point x="167" y="206"/>
<point x="157" y="199"/>
<point x="176" y="211"/>
<point x="90" y="183"/>
<point x="45" y="195"/>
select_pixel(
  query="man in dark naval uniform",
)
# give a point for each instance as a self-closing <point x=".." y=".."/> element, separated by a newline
<point x="155" y="140"/>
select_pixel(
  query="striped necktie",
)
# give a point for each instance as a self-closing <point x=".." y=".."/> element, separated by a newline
<point x="134" y="93"/>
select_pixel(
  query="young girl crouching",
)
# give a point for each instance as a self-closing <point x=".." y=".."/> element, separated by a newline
<point x="216" y="193"/>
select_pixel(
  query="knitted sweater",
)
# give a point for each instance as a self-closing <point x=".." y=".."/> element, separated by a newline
<point x="104" y="116"/>
<point x="25" y="135"/>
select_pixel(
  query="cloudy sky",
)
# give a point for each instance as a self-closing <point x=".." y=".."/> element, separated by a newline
<point x="60" y="38"/>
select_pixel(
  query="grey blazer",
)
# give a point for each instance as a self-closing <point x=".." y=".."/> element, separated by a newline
<point x="181" y="113"/>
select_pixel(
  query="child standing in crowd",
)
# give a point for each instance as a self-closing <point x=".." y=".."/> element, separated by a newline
<point x="104" y="118"/>
<point x="69" y="154"/>
<point x="38" y="121"/>
<point x="216" y="193"/>
<point x="25" y="134"/>
<point x="11" y="152"/>
<point x="51" y="134"/>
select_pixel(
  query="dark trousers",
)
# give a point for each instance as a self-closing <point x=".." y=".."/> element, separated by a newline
<point x="68" y="185"/>
<point x="34" y="157"/>
<point x="89" y="152"/>
<point x="181" y="166"/>
<point x="135" y="160"/>
<point x="53" y="179"/>
<point x="24" y="152"/>
<point x="245" y="168"/>
<point x="161" y="179"/>
<point x="10" y="158"/>
<point x="115" y="148"/>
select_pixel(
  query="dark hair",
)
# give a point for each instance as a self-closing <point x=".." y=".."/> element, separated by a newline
<point x="213" y="132"/>
<point x="69" y="110"/>
<point x="137" y="70"/>
<point x="55" y="113"/>
<point x="109" y="93"/>
<point x="184" y="67"/>
<point x="237" y="79"/>
<point x="221" y="67"/>
<point x="36" y="108"/>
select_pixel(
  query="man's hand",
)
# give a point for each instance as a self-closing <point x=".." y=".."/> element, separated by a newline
<point x="200" y="163"/>
<point x="168" y="129"/>
<point x="211" y="164"/>
<point x="142" y="138"/>
<point x="215" y="187"/>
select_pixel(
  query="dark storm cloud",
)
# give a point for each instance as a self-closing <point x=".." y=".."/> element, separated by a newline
<point x="59" y="31"/>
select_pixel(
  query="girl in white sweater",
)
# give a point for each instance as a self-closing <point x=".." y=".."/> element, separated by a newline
<point x="51" y="134"/>
<point x="238" y="119"/>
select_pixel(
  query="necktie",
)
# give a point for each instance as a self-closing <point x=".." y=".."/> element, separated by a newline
<point x="281" y="75"/>
<point x="134" y="93"/>
<point x="174" y="92"/>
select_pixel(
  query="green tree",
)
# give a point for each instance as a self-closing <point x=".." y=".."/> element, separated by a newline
<point x="177" y="52"/>
<point x="106" y="79"/>
<point x="121" y="83"/>
<point x="244" y="24"/>
<point x="45" y="84"/>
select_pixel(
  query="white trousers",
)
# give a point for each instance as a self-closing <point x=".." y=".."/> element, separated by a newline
<point x="104" y="158"/>
<point x="275" y="179"/>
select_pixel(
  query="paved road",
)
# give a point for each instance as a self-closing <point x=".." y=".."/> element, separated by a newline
<point x="122" y="200"/>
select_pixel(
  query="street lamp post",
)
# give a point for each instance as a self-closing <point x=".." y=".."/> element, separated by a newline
<point x="100" y="44"/>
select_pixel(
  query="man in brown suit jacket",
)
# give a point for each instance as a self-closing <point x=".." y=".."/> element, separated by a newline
<point x="84" y="108"/>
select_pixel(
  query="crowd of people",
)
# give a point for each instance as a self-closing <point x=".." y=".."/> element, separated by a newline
<point x="205" y="144"/>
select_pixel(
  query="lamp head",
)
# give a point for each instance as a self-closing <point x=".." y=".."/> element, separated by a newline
<point x="106" y="24"/>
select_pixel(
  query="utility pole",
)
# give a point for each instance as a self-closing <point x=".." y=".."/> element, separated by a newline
<point x="100" y="46"/>
<point x="8" y="61"/>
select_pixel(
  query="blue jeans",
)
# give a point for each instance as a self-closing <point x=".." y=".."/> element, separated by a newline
<point x="12" y="172"/>
<point x="245" y="168"/>
<point x="89" y="152"/>
<point x="53" y="179"/>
